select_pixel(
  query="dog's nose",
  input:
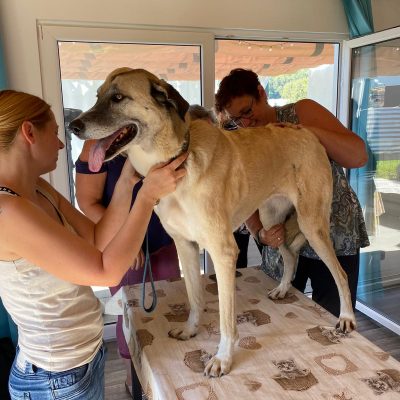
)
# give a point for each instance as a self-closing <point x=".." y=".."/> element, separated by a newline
<point x="76" y="126"/>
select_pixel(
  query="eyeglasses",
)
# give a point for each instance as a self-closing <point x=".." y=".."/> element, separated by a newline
<point x="247" y="113"/>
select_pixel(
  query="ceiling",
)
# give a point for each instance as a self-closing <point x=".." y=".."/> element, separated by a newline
<point x="93" y="61"/>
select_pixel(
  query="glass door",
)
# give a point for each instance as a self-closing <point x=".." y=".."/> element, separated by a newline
<point x="85" y="65"/>
<point x="374" y="114"/>
<point x="76" y="60"/>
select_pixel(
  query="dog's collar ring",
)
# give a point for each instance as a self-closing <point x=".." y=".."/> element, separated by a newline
<point x="185" y="146"/>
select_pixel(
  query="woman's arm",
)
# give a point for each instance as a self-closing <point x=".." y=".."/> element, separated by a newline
<point x="272" y="237"/>
<point x="341" y="144"/>
<point x="113" y="217"/>
<point x="90" y="187"/>
<point x="28" y="232"/>
<point x="89" y="194"/>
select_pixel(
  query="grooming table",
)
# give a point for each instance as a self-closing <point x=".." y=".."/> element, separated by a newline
<point x="287" y="349"/>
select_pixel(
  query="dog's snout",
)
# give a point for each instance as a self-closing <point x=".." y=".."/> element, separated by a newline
<point x="77" y="126"/>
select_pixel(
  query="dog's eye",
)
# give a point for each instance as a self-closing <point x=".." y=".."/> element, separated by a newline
<point x="116" y="98"/>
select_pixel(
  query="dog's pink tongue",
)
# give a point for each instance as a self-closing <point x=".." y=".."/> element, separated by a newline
<point x="96" y="156"/>
<point x="98" y="151"/>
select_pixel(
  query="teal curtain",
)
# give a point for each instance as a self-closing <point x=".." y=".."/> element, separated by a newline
<point x="3" y="81"/>
<point x="360" y="22"/>
<point x="359" y="17"/>
<point x="4" y="327"/>
<point x="7" y="326"/>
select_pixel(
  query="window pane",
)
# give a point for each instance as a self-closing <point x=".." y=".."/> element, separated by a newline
<point x="375" y="101"/>
<point x="84" y="66"/>
<point x="289" y="71"/>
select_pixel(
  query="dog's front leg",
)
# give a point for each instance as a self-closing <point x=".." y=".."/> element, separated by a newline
<point x="224" y="255"/>
<point x="189" y="257"/>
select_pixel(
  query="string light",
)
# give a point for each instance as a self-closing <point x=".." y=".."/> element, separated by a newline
<point x="267" y="47"/>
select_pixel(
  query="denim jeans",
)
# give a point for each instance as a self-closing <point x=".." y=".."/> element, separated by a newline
<point x="29" y="382"/>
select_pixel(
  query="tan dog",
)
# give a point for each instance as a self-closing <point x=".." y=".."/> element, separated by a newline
<point x="229" y="176"/>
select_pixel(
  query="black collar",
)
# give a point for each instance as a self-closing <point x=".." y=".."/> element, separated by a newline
<point x="185" y="146"/>
<point x="184" y="149"/>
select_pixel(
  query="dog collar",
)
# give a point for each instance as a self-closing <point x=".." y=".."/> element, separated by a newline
<point x="185" y="146"/>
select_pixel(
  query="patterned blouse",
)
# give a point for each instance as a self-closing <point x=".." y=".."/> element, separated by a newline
<point x="347" y="226"/>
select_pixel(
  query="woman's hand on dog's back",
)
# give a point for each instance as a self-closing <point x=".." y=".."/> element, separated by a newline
<point x="163" y="178"/>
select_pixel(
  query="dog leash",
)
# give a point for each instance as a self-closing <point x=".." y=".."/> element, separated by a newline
<point x="147" y="263"/>
<point x="147" y="267"/>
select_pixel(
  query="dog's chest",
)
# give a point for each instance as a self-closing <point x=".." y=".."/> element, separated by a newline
<point x="178" y="217"/>
<point x="141" y="160"/>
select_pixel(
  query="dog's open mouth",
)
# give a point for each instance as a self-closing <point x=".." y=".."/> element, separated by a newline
<point x="107" y="147"/>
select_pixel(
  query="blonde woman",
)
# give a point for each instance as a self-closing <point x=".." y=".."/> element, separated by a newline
<point x="51" y="253"/>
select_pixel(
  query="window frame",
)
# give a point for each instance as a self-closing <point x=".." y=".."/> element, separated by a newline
<point x="50" y="35"/>
<point x="345" y="64"/>
<point x="344" y="116"/>
<point x="51" y="32"/>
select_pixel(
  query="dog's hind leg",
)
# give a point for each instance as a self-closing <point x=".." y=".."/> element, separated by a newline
<point x="274" y="211"/>
<point x="224" y="254"/>
<point x="316" y="231"/>
<point x="189" y="257"/>
<point x="290" y="255"/>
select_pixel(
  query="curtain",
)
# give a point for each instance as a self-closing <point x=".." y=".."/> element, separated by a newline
<point x="7" y="326"/>
<point x="360" y="22"/>
<point x="359" y="17"/>
<point x="3" y="82"/>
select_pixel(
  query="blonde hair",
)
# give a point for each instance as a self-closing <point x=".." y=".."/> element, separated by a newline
<point x="17" y="107"/>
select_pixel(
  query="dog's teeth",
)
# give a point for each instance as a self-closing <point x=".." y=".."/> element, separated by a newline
<point x="120" y="136"/>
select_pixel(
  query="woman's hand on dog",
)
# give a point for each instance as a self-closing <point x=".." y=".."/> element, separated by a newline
<point x="272" y="237"/>
<point x="163" y="178"/>
<point x="128" y="177"/>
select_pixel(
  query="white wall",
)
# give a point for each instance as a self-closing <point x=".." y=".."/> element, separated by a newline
<point x="386" y="14"/>
<point x="18" y="19"/>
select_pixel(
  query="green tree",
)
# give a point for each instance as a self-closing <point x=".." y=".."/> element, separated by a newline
<point x="277" y="83"/>
<point x="295" y="90"/>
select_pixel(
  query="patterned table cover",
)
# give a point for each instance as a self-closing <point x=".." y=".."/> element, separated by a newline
<point x="287" y="349"/>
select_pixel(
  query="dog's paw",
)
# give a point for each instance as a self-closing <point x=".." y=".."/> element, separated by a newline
<point x="217" y="367"/>
<point x="347" y="322"/>
<point x="279" y="292"/>
<point x="181" y="334"/>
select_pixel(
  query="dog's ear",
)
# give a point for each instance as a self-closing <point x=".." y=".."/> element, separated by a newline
<point x="167" y="95"/>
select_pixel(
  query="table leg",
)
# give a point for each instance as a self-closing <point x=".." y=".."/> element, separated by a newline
<point x="136" y="386"/>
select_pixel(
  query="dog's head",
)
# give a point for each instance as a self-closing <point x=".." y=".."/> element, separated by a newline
<point x="133" y="107"/>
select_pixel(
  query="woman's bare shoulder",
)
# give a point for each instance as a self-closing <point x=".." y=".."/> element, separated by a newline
<point x="46" y="186"/>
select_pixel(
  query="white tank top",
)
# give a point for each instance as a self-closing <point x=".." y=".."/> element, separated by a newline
<point x="60" y="325"/>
